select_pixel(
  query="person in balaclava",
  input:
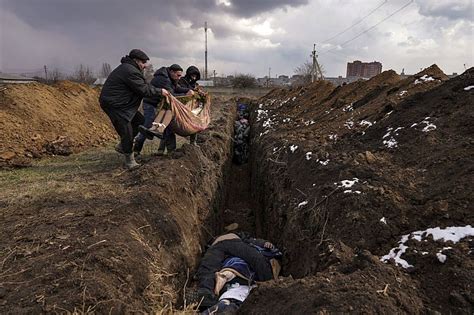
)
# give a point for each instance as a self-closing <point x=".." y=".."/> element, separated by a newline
<point x="190" y="81"/>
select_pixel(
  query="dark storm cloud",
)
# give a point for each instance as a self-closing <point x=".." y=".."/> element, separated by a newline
<point x="249" y="8"/>
<point x="62" y="15"/>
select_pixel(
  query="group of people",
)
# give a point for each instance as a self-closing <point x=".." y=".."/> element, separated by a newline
<point x="230" y="269"/>
<point x="123" y="92"/>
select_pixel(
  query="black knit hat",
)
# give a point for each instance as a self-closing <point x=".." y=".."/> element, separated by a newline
<point x="175" y="67"/>
<point x="138" y="54"/>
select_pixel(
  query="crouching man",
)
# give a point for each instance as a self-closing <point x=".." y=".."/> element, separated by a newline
<point x="121" y="96"/>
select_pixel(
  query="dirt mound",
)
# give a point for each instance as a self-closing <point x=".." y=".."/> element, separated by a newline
<point x="39" y="120"/>
<point x="373" y="161"/>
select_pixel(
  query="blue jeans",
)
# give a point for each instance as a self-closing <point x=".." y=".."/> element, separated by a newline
<point x="149" y="111"/>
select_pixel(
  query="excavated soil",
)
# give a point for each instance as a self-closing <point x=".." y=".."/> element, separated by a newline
<point x="101" y="239"/>
<point x="40" y="120"/>
<point x="406" y="147"/>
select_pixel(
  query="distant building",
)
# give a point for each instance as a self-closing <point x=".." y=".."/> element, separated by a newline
<point x="15" y="78"/>
<point x="363" y="69"/>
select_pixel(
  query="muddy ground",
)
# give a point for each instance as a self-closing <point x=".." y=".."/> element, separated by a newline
<point x="80" y="234"/>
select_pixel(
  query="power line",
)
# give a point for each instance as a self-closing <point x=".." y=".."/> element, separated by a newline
<point x="358" y="22"/>
<point x="372" y="27"/>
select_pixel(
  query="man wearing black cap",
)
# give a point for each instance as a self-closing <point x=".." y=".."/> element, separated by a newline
<point x="166" y="78"/>
<point x="121" y="96"/>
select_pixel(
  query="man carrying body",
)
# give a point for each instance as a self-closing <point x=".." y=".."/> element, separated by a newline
<point x="121" y="96"/>
<point x="166" y="78"/>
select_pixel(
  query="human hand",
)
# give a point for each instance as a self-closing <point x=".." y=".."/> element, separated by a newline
<point x="190" y="93"/>
<point x="165" y="92"/>
<point x="268" y="245"/>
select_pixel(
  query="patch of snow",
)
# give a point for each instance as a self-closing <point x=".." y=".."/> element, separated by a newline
<point x="349" y="124"/>
<point x="391" y="143"/>
<point x="347" y="183"/>
<point x="260" y="106"/>
<point x="402" y="93"/>
<point x="365" y="123"/>
<point x="452" y="233"/>
<point x="467" y="88"/>
<point x="301" y="204"/>
<point x="348" y="108"/>
<point x="424" y="253"/>
<point x="293" y="148"/>
<point x="267" y="123"/>
<point x="441" y="257"/>
<point x="415" y="124"/>
<point x="424" y="78"/>
<point x="333" y="136"/>
<point x="389" y="113"/>
<point x="429" y="127"/>
<point x="308" y="155"/>
<point x="350" y="191"/>
<point x="264" y="133"/>
<point x="383" y="220"/>
<point x="326" y="162"/>
<point x="261" y="114"/>
<point x="294" y="98"/>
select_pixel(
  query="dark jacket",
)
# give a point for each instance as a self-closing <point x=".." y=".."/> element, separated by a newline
<point x="162" y="79"/>
<point x="187" y="81"/>
<point x="124" y="89"/>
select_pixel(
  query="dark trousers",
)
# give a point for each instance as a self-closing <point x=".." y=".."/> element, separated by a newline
<point x="127" y="130"/>
<point x="149" y="112"/>
<point x="215" y="256"/>
<point x="168" y="141"/>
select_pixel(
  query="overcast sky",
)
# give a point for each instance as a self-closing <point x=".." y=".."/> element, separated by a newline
<point x="244" y="36"/>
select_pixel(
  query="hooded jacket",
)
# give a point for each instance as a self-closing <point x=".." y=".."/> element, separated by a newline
<point x="162" y="79"/>
<point x="124" y="89"/>
<point x="187" y="81"/>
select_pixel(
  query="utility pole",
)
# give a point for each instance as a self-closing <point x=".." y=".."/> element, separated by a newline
<point x="214" y="75"/>
<point x="268" y="80"/>
<point x="205" y="51"/>
<point x="45" y="73"/>
<point x="316" y="68"/>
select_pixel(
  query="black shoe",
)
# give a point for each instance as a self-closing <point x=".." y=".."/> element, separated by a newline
<point x="201" y="297"/>
<point x="149" y="134"/>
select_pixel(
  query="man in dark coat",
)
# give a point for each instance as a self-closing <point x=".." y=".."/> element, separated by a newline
<point x="190" y="81"/>
<point x="121" y="96"/>
<point x="166" y="78"/>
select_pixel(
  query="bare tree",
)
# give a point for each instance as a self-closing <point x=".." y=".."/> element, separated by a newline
<point x="303" y="73"/>
<point x="105" y="70"/>
<point x="243" y="81"/>
<point x="83" y="74"/>
<point x="149" y="72"/>
<point x="56" y="75"/>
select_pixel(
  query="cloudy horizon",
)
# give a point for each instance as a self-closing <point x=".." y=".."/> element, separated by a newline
<point x="244" y="36"/>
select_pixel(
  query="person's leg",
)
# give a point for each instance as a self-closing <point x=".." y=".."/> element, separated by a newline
<point x="171" y="142"/>
<point x="125" y="131"/>
<point x="149" y="115"/>
<point x="193" y="139"/>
